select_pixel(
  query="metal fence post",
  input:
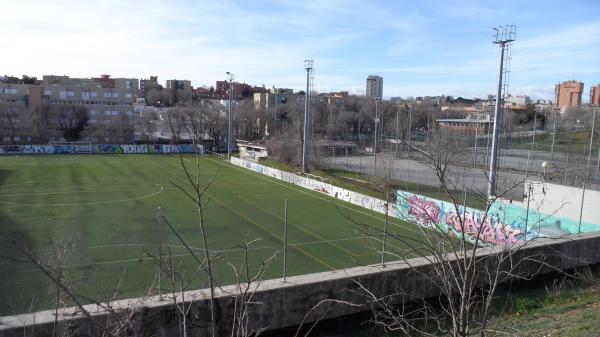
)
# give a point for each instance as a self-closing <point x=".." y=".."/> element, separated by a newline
<point x="384" y="233"/>
<point x="159" y="214"/>
<point x="581" y="207"/>
<point x="285" y="239"/>
<point x="589" y="161"/>
<point x="528" y="201"/>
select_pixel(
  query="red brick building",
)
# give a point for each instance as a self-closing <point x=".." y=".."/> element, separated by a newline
<point x="568" y="93"/>
<point x="595" y="95"/>
<point x="240" y="90"/>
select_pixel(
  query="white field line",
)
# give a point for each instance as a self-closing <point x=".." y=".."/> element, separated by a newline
<point x="83" y="203"/>
<point x="105" y="190"/>
<point x="140" y="259"/>
<point x="302" y="190"/>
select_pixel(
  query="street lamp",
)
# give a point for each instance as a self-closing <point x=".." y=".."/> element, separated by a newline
<point x="230" y="116"/>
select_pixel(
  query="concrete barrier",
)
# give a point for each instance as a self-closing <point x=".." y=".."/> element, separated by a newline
<point x="359" y="199"/>
<point x="286" y="304"/>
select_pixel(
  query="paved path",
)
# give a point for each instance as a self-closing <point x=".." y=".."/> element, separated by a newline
<point x="422" y="173"/>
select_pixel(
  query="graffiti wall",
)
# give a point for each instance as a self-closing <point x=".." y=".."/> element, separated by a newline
<point x="352" y="197"/>
<point x="98" y="148"/>
<point x="505" y="222"/>
<point x="447" y="217"/>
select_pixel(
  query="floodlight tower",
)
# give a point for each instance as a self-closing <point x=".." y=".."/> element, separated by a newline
<point x="230" y="116"/>
<point x="308" y="65"/>
<point x="504" y="36"/>
<point x="375" y="122"/>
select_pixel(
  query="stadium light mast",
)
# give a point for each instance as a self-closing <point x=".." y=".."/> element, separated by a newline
<point x="375" y="122"/>
<point x="504" y="36"/>
<point x="230" y="116"/>
<point x="308" y="65"/>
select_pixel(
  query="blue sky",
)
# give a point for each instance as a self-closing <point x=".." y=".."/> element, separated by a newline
<point x="427" y="47"/>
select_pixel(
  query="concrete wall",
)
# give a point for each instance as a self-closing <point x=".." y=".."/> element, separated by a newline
<point x="565" y="201"/>
<point x="446" y="217"/>
<point x="286" y="304"/>
<point x="324" y="187"/>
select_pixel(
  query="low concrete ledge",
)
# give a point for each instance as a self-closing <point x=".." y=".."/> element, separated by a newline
<point x="285" y="304"/>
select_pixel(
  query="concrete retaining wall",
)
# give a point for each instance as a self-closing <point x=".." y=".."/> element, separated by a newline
<point x="352" y="197"/>
<point x="286" y="304"/>
<point x="565" y="201"/>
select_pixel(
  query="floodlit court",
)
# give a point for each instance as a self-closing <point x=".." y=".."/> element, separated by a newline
<point x="103" y="210"/>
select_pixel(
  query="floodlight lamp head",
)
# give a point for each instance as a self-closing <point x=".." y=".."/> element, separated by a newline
<point x="504" y="34"/>
<point x="308" y="64"/>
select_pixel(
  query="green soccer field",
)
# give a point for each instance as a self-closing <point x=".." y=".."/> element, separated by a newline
<point x="106" y="205"/>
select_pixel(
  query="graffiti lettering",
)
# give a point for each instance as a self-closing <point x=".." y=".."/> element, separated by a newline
<point x="424" y="211"/>
<point x="428" y="212"/>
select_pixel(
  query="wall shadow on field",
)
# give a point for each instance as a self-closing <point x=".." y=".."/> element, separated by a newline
<point x="19" y="288"/>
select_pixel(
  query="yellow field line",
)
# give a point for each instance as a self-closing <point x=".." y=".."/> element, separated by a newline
<point x="273" y="234"/>
<point x="306" y="191"/>
<point x="298" y="226"/>
<point x="251" y="221"/>
<point x="256" y="174"/>
<point x="260" y="175"/>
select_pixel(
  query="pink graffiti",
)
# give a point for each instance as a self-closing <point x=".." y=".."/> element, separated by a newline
<point x="492" y="231"/>
<point x="424" y="211"/>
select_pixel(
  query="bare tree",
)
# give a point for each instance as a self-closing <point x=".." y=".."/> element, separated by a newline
<point x="250" y="125"/>
<point x="9" y="123"/>
<point x="72" y="121"/>
<point x="158" y="97"/>
<point x="286" y="143"/>
<point x="40" y="123"/>
<point x="248" y="280"/>
<point x="145" y="123"/>
<point x="117" y="320"/>
<point x="200" y="197"/>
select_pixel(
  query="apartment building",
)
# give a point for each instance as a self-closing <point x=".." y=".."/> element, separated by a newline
<point x="240" y="90"/>
<point x="37" y="112"/>
<point x="595" y="95"/>
<point x="568" y="94"/>
<point x="147" y="84"/>
<point x="374" y="86"/>
<point x="179" y="90"/>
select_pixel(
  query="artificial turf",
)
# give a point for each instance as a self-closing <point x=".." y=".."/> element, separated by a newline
<point x="106" y="206"/>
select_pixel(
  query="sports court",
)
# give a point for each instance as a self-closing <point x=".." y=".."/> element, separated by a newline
<point x="106" y="207"/>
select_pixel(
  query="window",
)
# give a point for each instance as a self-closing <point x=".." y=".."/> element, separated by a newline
<point x="129" y="95"/>
<point x="47" y="92"/>
<point x="71" y="93"/>
<point x="93" y="112"/>
<point x="62" y="95"/>
<point x="93" y="94"/>
<point x="115" y="113"/>
<point x="107" y="112"/>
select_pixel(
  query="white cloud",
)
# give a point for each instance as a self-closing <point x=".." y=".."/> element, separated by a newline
<point x="266" y="42"/>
